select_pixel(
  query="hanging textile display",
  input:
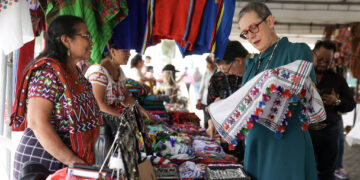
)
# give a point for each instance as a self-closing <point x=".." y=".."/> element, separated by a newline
<point x="181" y="26"/>
<point x="203" y="39"/>
<point x="16" y="28"/>
<point x="129" y="33"/>
<point x="100" y="18"/>
<point x="219" y="17"/>
<point x="268" y="99"/>
<point x="223" y="29"/>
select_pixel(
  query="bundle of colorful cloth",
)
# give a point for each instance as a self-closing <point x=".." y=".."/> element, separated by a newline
<point x="183" y="117"/>
<point x="137" y="90"/>
<point x="155" y="102"/>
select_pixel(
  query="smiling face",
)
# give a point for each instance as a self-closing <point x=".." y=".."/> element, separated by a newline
<point x="322" y="59"/>
<point x="120" y="56"/>
<point x="262" y="36"/>
<point x="80" y="45"/>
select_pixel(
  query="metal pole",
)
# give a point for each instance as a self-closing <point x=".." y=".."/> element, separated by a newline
<point x="9" y="94"/>
<point x="356" y="100"/>
<point x="3" y="66"/>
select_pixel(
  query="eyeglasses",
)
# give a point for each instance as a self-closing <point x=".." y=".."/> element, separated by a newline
<point x="254" y="28"/>
<point x="228" y="70"/>
<point x="321" y="59"/>
<point x="87" y="36"/>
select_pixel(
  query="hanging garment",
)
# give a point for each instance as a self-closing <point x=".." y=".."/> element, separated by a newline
<point x="100" y="18"/>
<point x="16" y="28"/>
<point x="219" y="17"/>
<point x="181" y="26"/>
<point x="129" y="33"/>
<point x="223" y="29"/>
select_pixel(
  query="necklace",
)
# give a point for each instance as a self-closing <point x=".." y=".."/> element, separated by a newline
<point x="272" y="53"/>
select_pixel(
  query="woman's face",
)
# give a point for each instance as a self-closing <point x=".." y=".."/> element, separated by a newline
<point x="262" y="39"/>
<point x="140" y="64"/>
<point x="80" y="45"/>
<point x="121" y="56"/>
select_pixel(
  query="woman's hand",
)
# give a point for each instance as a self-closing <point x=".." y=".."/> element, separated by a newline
<point x="145" y="113"/>
<point x="329" y="99"/>
<point x="211" y="131"/>
<point x="74" y="160"/>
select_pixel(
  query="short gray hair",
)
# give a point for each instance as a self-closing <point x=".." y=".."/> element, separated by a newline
<point x="260" y="8"/>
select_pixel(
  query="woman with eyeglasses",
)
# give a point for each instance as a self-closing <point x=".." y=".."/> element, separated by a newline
<point x="55" y="105"/>
<point x="266" y="156"/>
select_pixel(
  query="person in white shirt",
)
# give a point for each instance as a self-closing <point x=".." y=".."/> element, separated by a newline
<point x="202" y="101"/>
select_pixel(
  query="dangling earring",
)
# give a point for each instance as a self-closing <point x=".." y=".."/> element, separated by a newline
<point x="112" y="59"/>
<point x="68" y="52"/>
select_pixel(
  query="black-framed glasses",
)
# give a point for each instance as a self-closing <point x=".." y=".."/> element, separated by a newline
<point x="254" y="28"/>
<point x="325" y="60"/>
<point x="86" y="35"/>
<point x="228" y="70"/>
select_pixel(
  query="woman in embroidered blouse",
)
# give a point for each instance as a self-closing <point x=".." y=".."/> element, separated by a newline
<point x="267" y="157"/>
<point x="108" y="82"/>
<point x="48" y="102"/>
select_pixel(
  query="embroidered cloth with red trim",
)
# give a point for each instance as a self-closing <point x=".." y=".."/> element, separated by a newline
<point x="268" y="99"/>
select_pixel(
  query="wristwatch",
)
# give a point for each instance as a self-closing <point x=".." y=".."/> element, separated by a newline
<point x="337" y="102"/>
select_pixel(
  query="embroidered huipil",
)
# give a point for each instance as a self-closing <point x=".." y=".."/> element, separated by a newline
<point x="75" y="115"/>
<point x="115" y="89"/>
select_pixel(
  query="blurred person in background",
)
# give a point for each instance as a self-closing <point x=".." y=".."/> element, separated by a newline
<point x="338" y="98"/>
<point x="226" y="80"/>
<point x="204" y="85"/>
<point x="197" y="80"/>
<point x="137" y="64"/>
<point x="188" y="79"/>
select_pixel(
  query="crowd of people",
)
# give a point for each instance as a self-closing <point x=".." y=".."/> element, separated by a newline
<point x="55" y="95"/>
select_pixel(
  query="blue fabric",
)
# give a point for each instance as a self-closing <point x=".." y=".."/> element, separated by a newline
<point x="326" y="147"/>
<point x="129" y="33"/>
<point x="341" y="145"/>
<point x="203" y="40"/>
<point x="292" y="155"/>
<point x="224" y="30"/>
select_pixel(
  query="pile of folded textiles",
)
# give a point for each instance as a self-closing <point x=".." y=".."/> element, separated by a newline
<point x="137" y="90"/>
<point x="183" y="117"/>
<point x="175" y="107"/>
<point x="155" y="103"/>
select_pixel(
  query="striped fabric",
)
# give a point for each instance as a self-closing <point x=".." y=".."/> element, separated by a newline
<point x="115" y="91"/>
<point x="100" y="17"/>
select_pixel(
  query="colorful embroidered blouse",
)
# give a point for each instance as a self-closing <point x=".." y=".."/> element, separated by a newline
<point x="44" y="83"/>
<point x="115" y="89"/>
